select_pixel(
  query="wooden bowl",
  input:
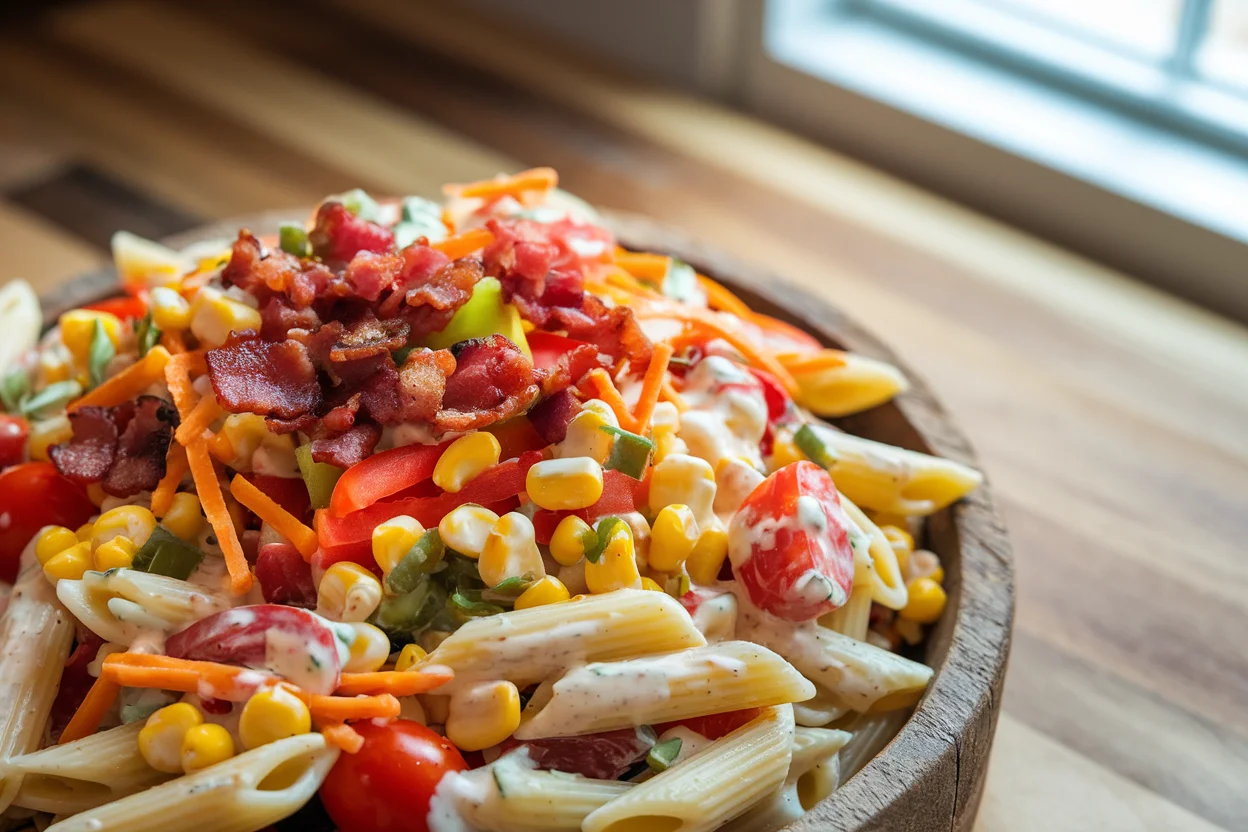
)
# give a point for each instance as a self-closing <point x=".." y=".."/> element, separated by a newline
<point x="932" y="774"/>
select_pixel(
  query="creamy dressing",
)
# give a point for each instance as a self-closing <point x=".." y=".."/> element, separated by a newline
<point x="691" y="742"/>
<point x="716" y="618"/>
<point x="727" y="414"/>
<point x="305" y="662"/>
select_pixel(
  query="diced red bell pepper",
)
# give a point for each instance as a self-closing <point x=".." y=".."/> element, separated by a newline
<point x="383" y="475"/>
<point x="123" y="307"/>
<point x="548" y="348"/>
<point x="290" y="494"/>
<point x="773" y="393"/>
<point x="516" y="436"/>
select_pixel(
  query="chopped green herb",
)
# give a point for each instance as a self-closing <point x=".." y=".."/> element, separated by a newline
<point x="13" y="387"/>
<point x="293" y="238"/>
<point x="607" y="527"/>
<point x="167" y="554"/>
<point x="810" y="443"/>
<point x="319" y="477"/>
<point x="513" y="586"/>
<point x="420" y="561"/>
<point x="54" y="396"/>
<point x="466" y="606"/>
<point x="146" y="333"/>
<point x="663" y="754"/>
<point x="100" y="353"/>
<point x="630" y="453"/>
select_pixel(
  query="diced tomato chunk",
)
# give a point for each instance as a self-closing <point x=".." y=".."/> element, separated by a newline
<point x="714" y="726"/>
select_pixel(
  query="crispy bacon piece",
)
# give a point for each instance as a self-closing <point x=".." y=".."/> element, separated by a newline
<point x="122" y="447"/>
<point x="568" y="369"/>
<point x="493" y="381"/>
<point x="432" y="304"/>
<point x="369" y="337"/>
<point x="612" y="329"/>
<point x="274" y="273"/>
<point x="88" y="455"/>
<point x="271" y="378"/>
<point x="370" y="273"/>
<point x="338" y="235"/>
<point x="341" y="417"/>
<point x="348" y="448"/>
<point x="411" y="393"/>
<point x="550" y="416"/>
<point x="278" y="317"/>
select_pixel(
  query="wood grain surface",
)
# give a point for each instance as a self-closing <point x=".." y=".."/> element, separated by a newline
<point x="1108" y="417"/>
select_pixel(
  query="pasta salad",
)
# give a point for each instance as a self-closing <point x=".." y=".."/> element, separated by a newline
<point x="445" y="516"/>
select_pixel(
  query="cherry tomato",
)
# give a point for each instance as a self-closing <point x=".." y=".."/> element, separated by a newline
<point x="714" y="726"/>
<point x="789" y="544"/>
<point x="34" y="495"/>
<point x="13" y="433"/>
<point x="387" y="786"/>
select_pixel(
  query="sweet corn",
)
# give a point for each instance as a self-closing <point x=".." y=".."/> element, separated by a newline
<point x="467" y="457"/>
<point x="549" y="590"/>
<point x="246" y="433"/>
<point x="784" y="450"/>
<point x="409" y="656"/>
<point x="70" y="564"/>
<point x="54" y="364"/>
<point x="272" y="714"/>
<point x="142" y="263"/>
<point x="134" y="522"/>
<point x="51" y="541"/>
<point x="117" y="553"/>
<point x="926" y="603"/>
<point x="672" y="538"/>
<point x="78" y="328"/>
<point x="483" y="715"/>
<point x="170" y="310"/>
<point x="45" y="433"/>
<point x="570" y="483"/>
<point x="160" y="741"/>
<point x="708" y="555"/>
<point x="685" y="480"/>
<point x="214" y="316"/>
<point x="650" y="584"/>
<point x="617" y="567"/>
<point x="925" y="564"/>
<point x="83" y="532"/>
<point x="348" y="592"/>
<point x="585" y="436"/>
<point x="567" y="544"/>
<point x="466" y="528"/>
<point x="369" y="649"/>
<point x="206" y="745"/>
<point x="185" y="517"/>
<point x="393" y="539"/>
<point x="510" y="551"/>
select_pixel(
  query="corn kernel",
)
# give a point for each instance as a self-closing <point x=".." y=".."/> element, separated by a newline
<point x="685" y="480"/>
<point x="735" y="479"/>
<point x="466" y="458"/>
<point x="510" y="551"/>
<point x="246" y="433"/>
<point x="214" y="316"/>
<point x="185" y="517"/>
<point x="409" y="656"/>
<point x="571" y="483"/>
<point x="369" y="649"/>
<point x="134" y="522"/>
<point x="206" y="745"/>
<point x="83" y="532"/>
<point x="51" y="541"/>
<point x="54" y="364"/>
<point x="70" y="564"/>
<point x="117" y="553"/>
<point x="585" y="436"/>
<point x="436" y="708"/>
<point x="466" y="528"/>
<point x="78" y="328"/>
<point x="666" y="443"/>
<point x="272" y="714"/>
<point x="160" y="741"/>
<point x="567" y="544"/>
<point x="617" y="566"/>
<point x="549" y="590"/>
<point x="650" y="584"/>
<point x="708" y="556"/>
<point x="926" y="602"/>
<point x="45" y="433"/>
<point x="393" y="539"/>
<point x="784" y="450"/>
<point x="170" y="310"/>
<point x="348" y="592"/>
<point x="483" y="715"/>
<point x="672" y="537"/>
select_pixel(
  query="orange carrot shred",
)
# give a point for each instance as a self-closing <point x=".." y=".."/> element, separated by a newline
<point x="173" y="341"/>
<point x="342" y="708"/>
<point x="461" y="245"/>
<point x="748" y="350"/>
<point x="342" y="735"/>
<point x="606" y="390"/>
<point x="86" y="720"/>
<point x="652" y="384"/>
<point x="176" y="467"/>
<point x="213" y="502"/>
<point x="178" y="377"/>
<point x="396" y="682"/>
<point x="785" y="330"/>
<point x="644" y="265"/>
<point x="669" y="393"/>
<point x="267" y="509"/>
<point x="129" y="383"/>
<point x="534" y="179"/>
<point x="197" y="421"/>
<point x="720" y="298"/>
<point x="143" y="670"/>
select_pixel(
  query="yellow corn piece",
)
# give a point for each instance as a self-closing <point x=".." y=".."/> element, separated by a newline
<point x="78" y="328"/>
<point x="134" y="522"/>
<point x="369" y="649"/>
<point x="926" y="601"/>
<point x="117" y="553"/>
<point x="270" y="715"/>
<point x="708" y="556"/>
<point x="510" y="551"/>
<point x="185" y="517"/>
<point x="617" y="566"/>
<point x="409" y="656"/>
<point x="348" y="592"/>
<point x="686" y="480"/>
<point x="45" y="433"/>
<point x="672" y="538"/>
<point x="70" y="564"/>
<point x="466" y="528"/>
<point x="549" y="590"/>
<point x="214" y="316"/>
<point x="585" y="436"/>
<point x="466" y="458"/>
<point x="51" y="541"/>
<point x="160" y="741"/>
<point x="393" y="539"/>
<point x="483" y="715"/>
<point x="567" y="544"/>
<point x="205" y="745"/>
<point x="170" y="310"/>
<point x="571" y="483"/>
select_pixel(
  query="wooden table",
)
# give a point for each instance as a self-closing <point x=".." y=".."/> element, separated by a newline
<point x="1110" y="418"/>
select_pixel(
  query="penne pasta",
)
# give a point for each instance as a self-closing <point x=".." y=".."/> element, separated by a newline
<point x="821" y="709"/>
<point x="871" y="732"/>
<point x="242" y="794"/>
<point x="528" y="646"/>
<point x="80" y="775"/>
<point x="879" y="570"/>
<point x="854" y="618"/>
<point x="834" y="383"/>
<point x="603" y="696"/>
<point x="121" y="604"/>
<point x="712" y="787"/>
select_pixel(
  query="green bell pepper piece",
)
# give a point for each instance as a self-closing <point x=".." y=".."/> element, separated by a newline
<point x="810" y="443"/>
<point x="293" y="239"/>
<point x="630" y="452"/>
<point x="484" y="314"/>
<point x="319" y="477"/>
<point x="165" y="553"/>
<point x="421" y="560"/>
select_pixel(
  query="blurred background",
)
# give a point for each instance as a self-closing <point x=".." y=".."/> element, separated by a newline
<point x="1039" y="204"/>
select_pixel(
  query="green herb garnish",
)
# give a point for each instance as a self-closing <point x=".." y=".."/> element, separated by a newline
<point x="100" y="353"/>
<point x="663" y="754"/>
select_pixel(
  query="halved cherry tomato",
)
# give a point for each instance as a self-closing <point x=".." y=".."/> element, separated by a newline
<point x="75" y="681"/>
<point x="387" y="786"/>
<point x="789" y="544"/>
<point x="123" y="307"/>
<point x="13" y="433"/>
<point x="290" y="494"/>
<point x="714" y="726"/>
<point x="34" y="495"/>
<point x="383" y="475"/>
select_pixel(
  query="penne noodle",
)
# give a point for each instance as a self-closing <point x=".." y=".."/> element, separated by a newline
<point x="649" y="690"/>
<point x="121" y="604"/>
<point x="871" y="732"/>
<point x="822" y="709"/>
<point x="854" y="617"/>
<point x="879" y="570"/>
<point x="834" y="383"/>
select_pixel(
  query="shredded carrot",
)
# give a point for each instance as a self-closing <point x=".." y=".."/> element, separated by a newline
<point x="461" y="245"/>
<point x="396" y="682"/>
<point x="178" y="371"/>
<point x="213" y="502"/>
<point x="173" y="341"/>
<point x="534" y="179"/>
<point x="652" y="384"/>
<point x="197" y="421"/>
<point x="448" y="220"/>
<point x="644" y="265"/>
<point x="720" y="298"/>
<point x="775" y="326"/>
<point x="129" y="383"/>
<point x="176" y="467"/>
<point x="605" y="389"/>
<point x="86" y="720"/>
<point x="621" y="279"/>
<point x="145" y="670"/>
<point x="623" y="295"/>
<point x="267" y="509"/>
<point x="342" y="708"/>
<point x="751" y="353"/>
<point x="802" y="362"/>
<point x="669" y="394"/>
<point x="342" y="735"/>
<point x="221" y="447"/>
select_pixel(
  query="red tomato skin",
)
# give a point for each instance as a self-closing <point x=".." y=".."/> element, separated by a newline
<point x="713" y="726"/>
<point x="387" y="786"/>
<point x="774" y="553"/>
<point x="13" y="434"/>
<point x="34" y="495"/>
<point x="123" y="307"/>
<point x="284" y="576"/>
